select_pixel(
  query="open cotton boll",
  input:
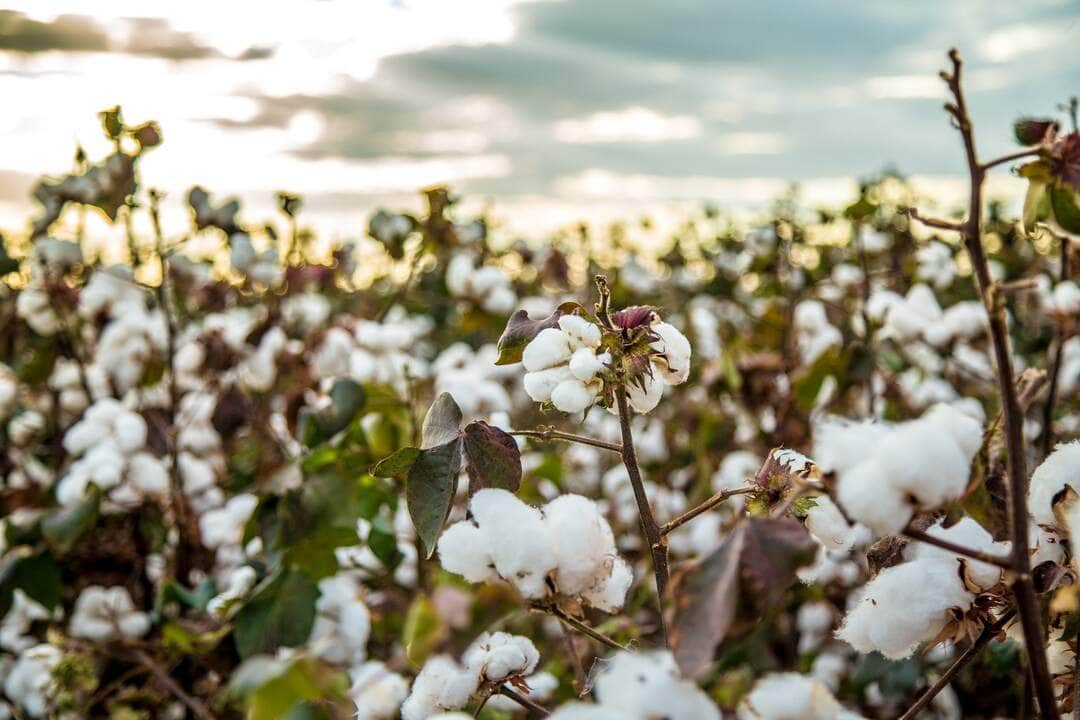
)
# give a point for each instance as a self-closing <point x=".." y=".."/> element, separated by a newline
<point x="549" y="348"/>
<point x="647" y="685"/>
<point x="790" y="696"/>
<point x="540" y="384"/>
<point x="586" y="711"/>
<point x="498" y="656"/>
<point x="828" y="525"/>
<point x="28" y="682"/>
<point x="541" y="687"/>
<point x="518" y="538"/>
<point x="102" y="614"/>
<point x="585" y="363"/>
<point x="377" y="691"/>
<point x="225" y="526"/>
<point x="342" y="621"/>
<point x="674" y="362"/>
<point x="464" y="550"/>
<point x="1060" y="469"/>
<point x="582" y="541"/>
<point x="866" y="496"/>
<point x="644" y="399"/>
<point x="903" y="606"/>
<point x="580" y="332"/>
<point x="441" y="685"/>
<point x="572" y="396"/>
<point x="840" y="444"/>
<point x="609" y="593"/>
<point x="966" y="533"/>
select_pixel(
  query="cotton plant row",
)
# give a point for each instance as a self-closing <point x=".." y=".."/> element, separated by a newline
<point x="227" y="477"/>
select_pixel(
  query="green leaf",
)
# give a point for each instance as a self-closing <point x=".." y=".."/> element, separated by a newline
<point x="1066" y="205"/>
<point x="64" y="527"/>
<point x="35" y="573"/>
<point x="728" y="592"/>
<point x="396" y="465"/>
<point x="493" y="459"/>
<point x="520" y="331"/>
<point x="174" y="592"/>
<point x="280" y="613"/>
<point x="185" y="640"/>
<point x="318" y="518"/>
<point x="430" y="489"/>
<point x="347" y="398"/>
<point x="1036" y="204"/>
<point x="442" y="422"/>
<point x="274" y="689"/>
<point x="423" y="631"/>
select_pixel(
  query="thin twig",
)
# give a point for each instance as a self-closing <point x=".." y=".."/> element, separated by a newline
<point x="1028" y="152"/>
<point x="549" y="434"/>
<point x="988" y="634"/>
<point x="934" y="222"/>
<point x="704" y="507"/>
<point x="583" y="628"/>
<point x="1005" y="563"/>
<point x="197" y="708"/>
<point x="1023" y="586"/>
<point x="523" y="701"/>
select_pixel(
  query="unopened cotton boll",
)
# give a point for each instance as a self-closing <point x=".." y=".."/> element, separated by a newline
<point x="903" y="606"/>
<point x="790" y="696"/>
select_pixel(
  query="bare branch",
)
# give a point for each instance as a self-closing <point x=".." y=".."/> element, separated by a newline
<point x="934" y="222"/>
<point x="1005" y="563"/>
<point x="551" y="434"/>
<point x="703" y="508"/>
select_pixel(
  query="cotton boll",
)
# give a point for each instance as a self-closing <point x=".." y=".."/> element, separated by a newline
<point x="20" y="616"/>
<point x="647" y="685"/>
<point x="148" y="474"/>
<point x="644" y="399"/>
<point x="541" y="384"/>
<point x="518" y="538"/>
<point x="441" y="685"/>
<point x="1058" y="470"/>
<point x="582" y="541"/>
<point x="674" y="364"/>
<point x="463" y="550"/>
<point x="828" y="525"/>
<point x="571" y="396"/>
<point x="581" y="332"/>
<point x="541" y="687"/>
<point x="342" y="621"/>
<point x="866" y="496"/>
<point x="498" y="656"/>
<point x="102" y="614"/>
<point x="586" y="364"/>
<point x="225" y="526"/>
<point x="790" y="696"/>
<point x="130" y="430"/>
<point x="964" y="429"/>
<point x="840" y="445"/>
<point x="903" y="606"/>
<point x="551" y="347"/>
<point x="377" y="691"/>
<point x="609" y="594"/>
<point x="966" y="533"/>
<point x="29" y="681"/>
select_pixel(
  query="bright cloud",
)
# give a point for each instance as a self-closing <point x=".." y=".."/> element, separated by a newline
<point x="632" y="124"/>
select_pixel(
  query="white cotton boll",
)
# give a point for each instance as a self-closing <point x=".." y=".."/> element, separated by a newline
<point x="518" y="537"/>
<point x="332" y="357"/>
<point x="458" y="273"/>
<point x="23" y="612"/>
<point x="1066" y="298"/>
<point x="225" y="526"/>
<point x="9" y="389"/>
<point x="29" y="681"/>
<point x="130" y="431"/>
<point x="572" y="396"/>
<point x="539" y="385"/>
<point x="305" y="311"/>
<point x="342" y="621"/>
<point x="500" y="301"/>
<point x="903" y="606"/>
<point x="464" y="550"/>
<point x="647" y="685"/>
<point x="585" y="364"/>
<point x="85" y="434"/>
<point x="936" y="264"/>
<point x="497" y="656"/>
<point x="441" y="685"/>
<point x="541" y="687"/>
<point x="1059" y="469"/>
<point x="582" y="540"/>
<point x="966" y="533"/>
<point x="196" y="473"/>
<point x="1044" y="545"/>
<point x="829" y="669"/>
<point x="148" y="474"/>
<point x="644" y="399"/>
<point x="581" y="332"/>
<point x="867" y="497"/>
<point x="840" y="445"/>
<point x="828" y="525"/>
<point x="33" y="306"/>
<point x="609" y="594"/>
<point x="961" y="426"/>
<point x="102" y="614"/>
<point x="377" y="691"/>
<point x="674" y="366"/>
<point x="549" y="348"/>
<point x="790" y="696"/>
<point x="237" y="586"/>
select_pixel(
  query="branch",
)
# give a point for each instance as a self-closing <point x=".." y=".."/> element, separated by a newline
<point x="704" y="507"/>
<point x="197" y="708"/>
<point x="934" y="222"/>
<point x="581" y="627"/>
<point x="550" y="434"/>
<point x="1023" y="586"/>
<point x="657" y="542"/>
<point x="523" y="701"/>
<point x="988" y="634"/>
<point x="1010" y="157"/>
<point x="1004" y="563"/>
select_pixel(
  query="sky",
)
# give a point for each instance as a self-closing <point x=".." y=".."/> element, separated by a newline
<point x="545" y="109"/>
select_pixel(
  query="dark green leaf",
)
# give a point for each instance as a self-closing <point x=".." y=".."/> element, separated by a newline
<point x="280" y="613"/>
<point x="1066" y="205"/>
<point x="64" y="527"/>
<point x="397" y="464"/>
<point x="35" y="573"/>
<point x="492" y="457"/>
<point x="430" y="488"/>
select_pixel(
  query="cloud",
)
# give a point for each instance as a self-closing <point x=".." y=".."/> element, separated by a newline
<point x="71" y="33"/>
<point x="631" y="124"/>
<point x="751" y="143"/>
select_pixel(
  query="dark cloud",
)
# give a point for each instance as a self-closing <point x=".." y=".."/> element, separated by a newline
<point x="146" y="37"/>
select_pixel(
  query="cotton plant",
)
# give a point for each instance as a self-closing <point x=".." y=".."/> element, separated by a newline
<point x="487" y="286"/>
<point x="790" y="696"/>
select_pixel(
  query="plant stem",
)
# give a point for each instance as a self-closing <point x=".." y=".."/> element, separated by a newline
<point x="1005" y="563"/>
<point x="1010" y="157"/>
<point x="549" y="434"/>
<point x="988" y="634"/>
<point x="704" y="507"/>
<point x="197" y="708"/>
<point x="1023" y="586"/>
<point x="581" y="627"/>
<point x="1055" y="367"/>
<point x="523" y="701"/>
<point x="657" y="542"/>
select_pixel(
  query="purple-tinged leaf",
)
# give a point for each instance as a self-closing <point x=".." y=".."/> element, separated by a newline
<point x="633" y="317"/>
<point x="520" y="331"/>
<point x="492" y="457"/>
